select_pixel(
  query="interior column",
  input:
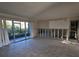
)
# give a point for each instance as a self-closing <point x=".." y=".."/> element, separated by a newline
<point x="25" y="30"/>
<point x="62" y="34"/>
<point x="58" y="33"/>
<point x="13" y="30"/>
<point x="67" y="35"/>
<point x="54" y="33"/>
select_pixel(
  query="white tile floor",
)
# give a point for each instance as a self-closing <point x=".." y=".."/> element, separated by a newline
<point x="40" y="48"/>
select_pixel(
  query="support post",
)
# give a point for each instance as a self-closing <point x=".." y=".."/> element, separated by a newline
<point x="45" y="33"/>
<point x="54" y="33"/>
<point x="25" y="30"/>
<point x="62" y="34"/>
<point x="13" y="31"/>
<point x="67" y="35"/>
<point x="58" y="33"/>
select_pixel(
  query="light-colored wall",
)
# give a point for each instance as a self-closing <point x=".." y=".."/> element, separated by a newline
<point x="55" y="24"/>
<point x="59" y="24"/>
<point x="34" y="26"/>
<point x="43" y="24"/>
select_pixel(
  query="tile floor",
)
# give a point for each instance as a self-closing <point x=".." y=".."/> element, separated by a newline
<point x="40" y="47"/>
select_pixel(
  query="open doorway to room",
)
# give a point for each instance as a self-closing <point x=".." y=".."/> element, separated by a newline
<point x="73" y="29"/>
<point x="17" y="30"/>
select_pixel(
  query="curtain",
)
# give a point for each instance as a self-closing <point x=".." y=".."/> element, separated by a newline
<point x="1" y="37"/>
<point x="4" y="38"/>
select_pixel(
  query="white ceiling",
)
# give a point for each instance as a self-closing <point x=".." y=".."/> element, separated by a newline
<point x="40" y="10"/>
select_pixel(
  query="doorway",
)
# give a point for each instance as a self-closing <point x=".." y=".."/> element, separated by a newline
<point x="73" y="29"/>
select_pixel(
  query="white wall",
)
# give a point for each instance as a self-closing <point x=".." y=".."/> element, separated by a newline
<point x="59" y="24"/>
<point x="33" y="29"/>
<point x="54" y="24"/>
<point x="43" y="24"/>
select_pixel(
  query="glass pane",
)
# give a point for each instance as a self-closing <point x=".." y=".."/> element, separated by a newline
<point x="17" y="22"/>
<point x="27" y="25"/>
<point x="22" y="27"/>
<point x="2" y="24"/>
<point x="27" y="29"/>
<point x="17" y="29"/>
